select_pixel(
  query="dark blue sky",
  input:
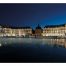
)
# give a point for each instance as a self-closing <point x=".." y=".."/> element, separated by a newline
<point x="32" y="14"/>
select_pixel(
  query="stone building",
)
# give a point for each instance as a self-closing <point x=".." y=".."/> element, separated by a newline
<point x="54" y="30"/>
<point x="15" y="31"/>
<point x="38" y="31"/>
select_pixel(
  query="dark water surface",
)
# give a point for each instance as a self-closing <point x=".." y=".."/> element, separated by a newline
<point x="32" y="50"/>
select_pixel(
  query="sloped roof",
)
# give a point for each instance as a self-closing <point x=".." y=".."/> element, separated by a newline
<point x="52" y="26"/>
<point x="38" y="27"/>
<point x="13" y="27"/>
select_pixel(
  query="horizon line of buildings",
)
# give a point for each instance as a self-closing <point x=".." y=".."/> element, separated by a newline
<point x="49" y="30"/>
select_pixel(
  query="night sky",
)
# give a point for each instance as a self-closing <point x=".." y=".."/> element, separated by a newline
<point x="32" y="14"/>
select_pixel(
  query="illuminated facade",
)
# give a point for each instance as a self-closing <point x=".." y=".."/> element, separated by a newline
<point x="54" y="30"/>
<point x="15" y="31"/>
<point x="22" y="31"/>
<point x="50" y="30"/>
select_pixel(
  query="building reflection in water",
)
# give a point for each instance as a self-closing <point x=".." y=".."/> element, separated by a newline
<point x="56" y="42"/>
<point x="52" y="42"/>
<point x="0" y="44"/>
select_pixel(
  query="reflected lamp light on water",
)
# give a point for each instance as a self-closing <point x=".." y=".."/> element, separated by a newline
<point x="0" y="44"/>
